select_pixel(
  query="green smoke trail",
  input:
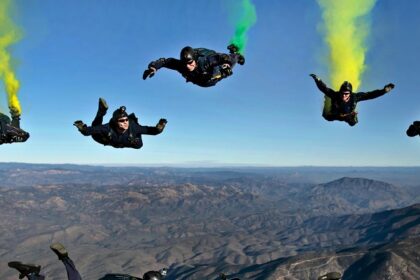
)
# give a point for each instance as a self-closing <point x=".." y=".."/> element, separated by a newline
<point x="245" y="22"/>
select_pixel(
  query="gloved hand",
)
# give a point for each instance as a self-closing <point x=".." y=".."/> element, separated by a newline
<point x="389" y="87"/>
<point x="148" y="73"/>
<point x="315" y="77"/>
<point x="161" y="124"/>
<point x="80" y="125"/>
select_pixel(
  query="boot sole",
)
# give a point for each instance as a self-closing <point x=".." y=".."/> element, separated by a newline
<point x="103" y="103"/>
<point x="59" y="250"/>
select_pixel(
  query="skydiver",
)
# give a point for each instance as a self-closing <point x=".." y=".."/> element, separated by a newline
<point x="10" y="131"/>
<point x="200" y="66"/>
<point x="343" y="102"/>
<point x="414" y="129"/>
<point x="32" y="271"/>
<point x="122" y="131"/>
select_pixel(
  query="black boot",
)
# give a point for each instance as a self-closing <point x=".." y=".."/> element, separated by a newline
<point x="241" y="59"/>
<point x="59" y="250"/>
<point x="412" y="131"/>
<point x="103" y="107"/>
<point x="233" y="49"/>
<point x="25" y="269"/>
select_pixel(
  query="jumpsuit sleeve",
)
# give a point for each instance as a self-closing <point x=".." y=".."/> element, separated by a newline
<point x="148" y="130"/>
<point x="170" y="63"/>
<point x="95" y="130"/>
<point x="323" y="88"/>
<point x="362" y="96"/>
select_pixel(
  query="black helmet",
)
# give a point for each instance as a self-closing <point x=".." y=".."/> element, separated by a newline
<point x="119" y="113"/>
<point x="346" y="86"/>
<point x="187" y="55"/>
<point x="152" y="275"/>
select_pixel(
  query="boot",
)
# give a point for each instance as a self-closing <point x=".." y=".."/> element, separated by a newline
<point x="25" y="269"/>
<point x="412" y="131"/>
<point x="59" y="250"/>
<point x="103" y="107"/>
<point x="233" y="49"/>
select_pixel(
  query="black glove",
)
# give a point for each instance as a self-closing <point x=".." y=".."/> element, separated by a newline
<point x="389" y="87"/>
<point x="148" y="73"/>
<point x="161" y="124"/>
<point x="80" y="126"/>
<point x="315" y="77"/>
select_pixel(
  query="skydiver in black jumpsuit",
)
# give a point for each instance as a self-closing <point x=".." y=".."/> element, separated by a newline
<point x="343" y="102"/>
<point x="10" y="131"/>
<point x="200" y="66"/>
<point x="122" y="131"/>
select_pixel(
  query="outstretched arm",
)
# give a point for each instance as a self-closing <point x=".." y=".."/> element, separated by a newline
<point x="151" y="130"/>
<point x="322" y="86"/>
<point x="170" y="63"/>
<point x="91" y="130"/>
<point x="361" y="96"/>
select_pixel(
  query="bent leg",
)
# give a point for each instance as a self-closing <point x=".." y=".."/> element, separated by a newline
<point x="72" y="273"/>
<point x="234" y="58"/>
<point x="102" y="109"/>
<point x="4" y="122"/>
<point x="352" y="120"/>
<point x="329" y="117"/>
<point x="98" y="119"/>
<point x="16" y="121"/>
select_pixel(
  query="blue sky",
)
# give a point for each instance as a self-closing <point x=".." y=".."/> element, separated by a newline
<point x="267" y="113"/>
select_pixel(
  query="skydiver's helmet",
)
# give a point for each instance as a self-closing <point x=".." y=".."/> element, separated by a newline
<point x="153" y="275"/>
<point x="118" y="114"/>
<point x="346" y="87"/>
<point x="187" y="55"/>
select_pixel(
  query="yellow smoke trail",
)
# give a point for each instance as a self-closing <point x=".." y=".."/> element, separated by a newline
<point x="346" y="28"/>
<point x="9" y="34"/>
